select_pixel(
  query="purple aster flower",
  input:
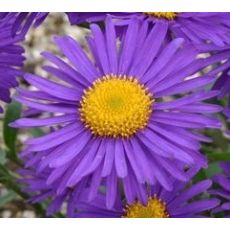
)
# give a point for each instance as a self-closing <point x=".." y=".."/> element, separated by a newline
<point x="183" y="201"/>
<point x="11" y="58"/>
<point x="223" y="191"/>
<point x="198" y="28"/>
<point x="122" y="114"/>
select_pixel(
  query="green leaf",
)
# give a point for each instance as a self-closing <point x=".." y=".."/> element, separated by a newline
<point x="37" y="132"/>
<point x="6" y="198"/>
<point x="2" y="157"/>
<point x="13" y="112"/>
<point x="201" y="175"/>
<point x="219" y="156"/>
<point x="213" y="169"/>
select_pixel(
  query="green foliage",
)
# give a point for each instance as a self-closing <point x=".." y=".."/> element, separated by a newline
<point x="12" y="113"/>
<point x="36" y="132"/>
<point x="2" y="157"/>
<point x="8" y="197"/>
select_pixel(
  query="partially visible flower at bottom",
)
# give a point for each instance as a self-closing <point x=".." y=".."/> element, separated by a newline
<point x="178" y="203"/>
<point x="183" y="201"/>
<point x="223" y="191"/>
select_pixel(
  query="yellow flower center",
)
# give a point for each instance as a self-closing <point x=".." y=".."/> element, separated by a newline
<point x="155" y="208"/>
<point x="115" y="106"/>
<point x="165" y="15"/>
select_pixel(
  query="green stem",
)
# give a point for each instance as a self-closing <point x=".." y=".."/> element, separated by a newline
<point x="10" y="182"/>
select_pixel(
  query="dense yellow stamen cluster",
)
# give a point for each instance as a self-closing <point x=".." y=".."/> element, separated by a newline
<point x="116" y="106"/>
<point x="155" y="208"/>
<point x="166" y="15"/>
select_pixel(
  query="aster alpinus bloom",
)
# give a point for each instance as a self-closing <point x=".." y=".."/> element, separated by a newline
<point x="198" y="28"/>
<point x="182" y="201"/>
<point x="116" y="116"/>
<point x="195" y="27"/>
<point x="11" y="57"/>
